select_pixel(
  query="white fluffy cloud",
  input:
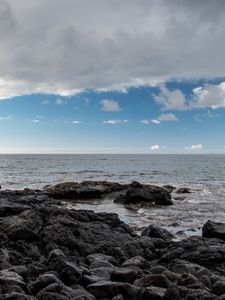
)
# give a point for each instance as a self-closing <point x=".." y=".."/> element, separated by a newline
<point x="209" y="96"/>
<point x="155" y="147"/>
<point x="194" y="147"/>
<point x="110" y="105"/>
<point x="106" y="44"/>
<point x="114" y="122"/>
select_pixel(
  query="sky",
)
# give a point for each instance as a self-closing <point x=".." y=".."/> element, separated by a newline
<point x="112" y="76"/>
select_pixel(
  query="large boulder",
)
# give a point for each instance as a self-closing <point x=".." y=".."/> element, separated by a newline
<point x="213" y="230"/>
<point x="140" y="194"/>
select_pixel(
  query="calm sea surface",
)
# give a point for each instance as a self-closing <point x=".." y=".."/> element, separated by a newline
<point x="205" y="174"/>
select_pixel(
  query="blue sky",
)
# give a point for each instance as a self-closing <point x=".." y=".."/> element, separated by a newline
<point x="112" y="122"/>
<point x="109" y="76"/>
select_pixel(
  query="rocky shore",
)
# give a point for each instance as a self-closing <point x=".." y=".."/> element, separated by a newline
<point x="49" y="252"/>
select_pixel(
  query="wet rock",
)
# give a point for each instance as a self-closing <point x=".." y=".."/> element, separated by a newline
<point x="213" y="230"/>
<point x="138" y="194"/>
<point x="88" y="193"/>
<point x="184" y="191"/>
<point x="155" y="231"/>
<point x="169" y="188"/>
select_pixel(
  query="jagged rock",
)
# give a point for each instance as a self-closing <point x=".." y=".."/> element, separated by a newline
<point x="138" y="261"/>
<point x="25" y="226"/>
<point x="138" y="194"/>
<point x="69" y="272"/>
<point x="41" y="282"/>
<point x="8" y="279"/>
<point x="155" y="231"/>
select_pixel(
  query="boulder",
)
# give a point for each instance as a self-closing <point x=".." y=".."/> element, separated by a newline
<point x="138" y="194"/>
<point x="155" y="231"/>
<point x="213" y="230"/>
<point x="158" y="280"/>
<point x="124" y="275"/>
<point x="109" y="289"/>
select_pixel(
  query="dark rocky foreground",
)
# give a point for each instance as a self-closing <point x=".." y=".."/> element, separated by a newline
<point x="48" y="252"/>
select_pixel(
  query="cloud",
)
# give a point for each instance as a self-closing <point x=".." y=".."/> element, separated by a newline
<point x="170" y="99"/>
<point x="113" y="122"/>
<point x="2" y="118"/>
<point x="194" y="147"/>
<point x="112" y="45"/>
<point x="59" y="101"/>
<point x="155" y="147"/>
<point x="209" y="96"/>
<point x="169" y="117"/>
<point x="155" y="121"/>
<point x="76" y="122"/>
<point x="35" y="121"/>
<point x="46" y="101"/>
<point x="110" y="105"/>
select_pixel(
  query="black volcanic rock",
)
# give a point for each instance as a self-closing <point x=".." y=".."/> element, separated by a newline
<point x="139" y="194"/>
<point x="213" y="230"/>
<point x="49" y="252"/>
<point x="155" y="231"/>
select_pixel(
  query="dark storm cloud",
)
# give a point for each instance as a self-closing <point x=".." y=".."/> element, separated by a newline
<point x="55" y="46"/>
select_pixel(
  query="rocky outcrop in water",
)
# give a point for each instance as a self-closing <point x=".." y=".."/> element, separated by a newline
<point x="126" y="194"/>
<point x="49" y="252"/>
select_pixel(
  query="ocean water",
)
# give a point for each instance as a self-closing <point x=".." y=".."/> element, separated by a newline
<point x="204" y="174"/>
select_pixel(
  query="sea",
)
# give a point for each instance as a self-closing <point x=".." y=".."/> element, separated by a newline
<point x="204" y="174"/>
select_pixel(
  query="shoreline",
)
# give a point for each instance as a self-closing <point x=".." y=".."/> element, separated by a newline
<point x="51" y="252"/>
